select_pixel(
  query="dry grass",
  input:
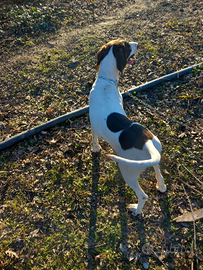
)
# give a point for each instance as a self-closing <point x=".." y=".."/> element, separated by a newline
<point x="61" y="206"/>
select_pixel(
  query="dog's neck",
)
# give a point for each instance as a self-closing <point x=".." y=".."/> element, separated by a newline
<point x="108" y="80"/>
<point x="108" y="68"/>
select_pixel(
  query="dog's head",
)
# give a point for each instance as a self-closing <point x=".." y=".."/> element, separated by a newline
<point x="123" y="52"/>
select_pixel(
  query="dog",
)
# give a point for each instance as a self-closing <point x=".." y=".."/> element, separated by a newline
<point x="135" y="146"/>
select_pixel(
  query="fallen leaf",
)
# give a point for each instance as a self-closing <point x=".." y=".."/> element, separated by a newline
<point x="132" y="256"/>
<point x="188" y="217"/>
<point x="12" y="254"/>
<point x="53" y="141"/>
<point x="181" y="135"/>
<point x="34" y="233"/>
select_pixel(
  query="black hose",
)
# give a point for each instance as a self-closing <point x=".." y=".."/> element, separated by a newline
<point x="166" y="78"/>
<point x="22" y="136"/>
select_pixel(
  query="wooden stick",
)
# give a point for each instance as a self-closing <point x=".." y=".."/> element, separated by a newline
<point x="195" y="242"/>
<point x="187" y="183"/>
<point x="192" y="174"/>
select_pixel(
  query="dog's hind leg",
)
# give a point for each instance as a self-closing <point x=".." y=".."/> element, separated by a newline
<point x="160" y="181"/>
<point x="95" y="143"/>
<point x="131" y="178"/>
<point x="142" y="197"/>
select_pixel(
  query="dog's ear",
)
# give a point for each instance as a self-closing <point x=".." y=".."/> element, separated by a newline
<point x="121" y="52"/>
<point x="104" y="50"/>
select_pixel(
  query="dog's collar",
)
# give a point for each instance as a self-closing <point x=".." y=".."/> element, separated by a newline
<point x="111" y="81"/>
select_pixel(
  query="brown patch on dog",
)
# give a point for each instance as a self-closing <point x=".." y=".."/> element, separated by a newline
<point x="121" y="51"/>
<point x="134" y="136"/>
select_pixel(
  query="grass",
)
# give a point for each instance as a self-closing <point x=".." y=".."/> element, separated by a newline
<point x="63" y="207"/>
<point x="70" y="212"/>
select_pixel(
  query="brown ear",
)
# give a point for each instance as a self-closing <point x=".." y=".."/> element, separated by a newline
<point x="101" y="54"/>
<point x="121" y="52"/>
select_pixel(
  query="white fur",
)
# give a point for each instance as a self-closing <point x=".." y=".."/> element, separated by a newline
<point x="105" y="99"/>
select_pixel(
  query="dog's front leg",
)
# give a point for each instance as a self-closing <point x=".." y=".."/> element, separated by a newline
<point x="95" y="143"/>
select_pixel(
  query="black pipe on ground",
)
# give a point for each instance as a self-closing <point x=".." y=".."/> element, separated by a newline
<point x="24" y="135"/>
<point x="166" y="78"/>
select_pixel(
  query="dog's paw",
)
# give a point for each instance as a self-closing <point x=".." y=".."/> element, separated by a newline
<point x="96" y="148"/>
<point x="161" y="188"/>
<point x="134" y="209"/>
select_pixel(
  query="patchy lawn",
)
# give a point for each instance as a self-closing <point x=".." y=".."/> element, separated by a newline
<point x="63" y="207"/>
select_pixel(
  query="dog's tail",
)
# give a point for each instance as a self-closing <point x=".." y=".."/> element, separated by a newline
<point x="154" y="153"/>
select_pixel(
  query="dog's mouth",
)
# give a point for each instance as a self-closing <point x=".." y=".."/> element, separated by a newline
<point x="131" y="61"/>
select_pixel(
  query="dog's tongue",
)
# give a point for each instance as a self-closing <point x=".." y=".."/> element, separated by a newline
<point x="131" y="61"/>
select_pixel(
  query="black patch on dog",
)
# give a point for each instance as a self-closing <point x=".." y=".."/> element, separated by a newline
<point x="117" y="122"/>
<point x="133" y="135"/>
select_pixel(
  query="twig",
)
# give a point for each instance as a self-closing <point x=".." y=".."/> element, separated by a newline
<point x="32" y="122"/>
<point x="195" y="242"/>
<point x="157" y="256"/>
<point x="187" y="183"/>
<point x="192" y="174"/>
<point x="192" y="264"/>
<point x="192" y="153"/>
<point x="191" y="187"/>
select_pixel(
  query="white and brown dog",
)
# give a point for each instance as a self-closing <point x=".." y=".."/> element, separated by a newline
<point x="136" y="147"/>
